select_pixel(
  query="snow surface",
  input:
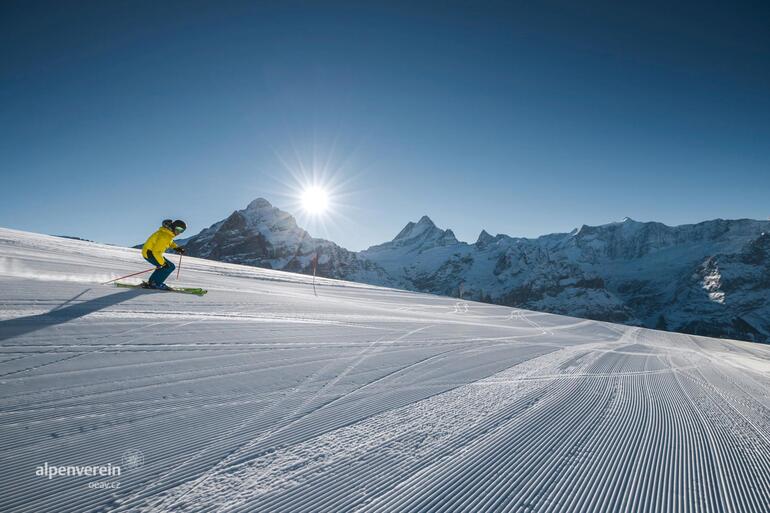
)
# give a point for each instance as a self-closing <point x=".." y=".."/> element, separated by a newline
<point x="263" y="396"/>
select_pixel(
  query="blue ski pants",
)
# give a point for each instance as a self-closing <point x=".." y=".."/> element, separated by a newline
<point x="162" y="272"/>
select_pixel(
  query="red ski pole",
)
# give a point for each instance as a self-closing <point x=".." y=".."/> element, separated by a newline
<point x="128" y="276"/>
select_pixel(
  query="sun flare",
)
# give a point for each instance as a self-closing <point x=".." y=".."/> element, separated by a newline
<point x="315" y="200"/>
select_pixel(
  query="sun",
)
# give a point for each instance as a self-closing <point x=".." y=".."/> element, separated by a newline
<point x="315" y="200"/>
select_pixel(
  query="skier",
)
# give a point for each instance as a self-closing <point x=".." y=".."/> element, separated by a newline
<point x="156" y="245"/>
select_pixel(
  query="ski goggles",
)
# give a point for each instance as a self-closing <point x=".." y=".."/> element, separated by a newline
<point x="178" y="230"/>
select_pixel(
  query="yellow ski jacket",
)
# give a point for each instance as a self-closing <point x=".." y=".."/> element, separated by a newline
<point x="158" y="243"/>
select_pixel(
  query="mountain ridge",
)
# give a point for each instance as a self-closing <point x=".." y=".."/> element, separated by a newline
<point x="701" y="278"/>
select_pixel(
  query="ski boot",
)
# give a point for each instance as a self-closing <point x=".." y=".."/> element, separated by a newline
<point x="156" y="286"/>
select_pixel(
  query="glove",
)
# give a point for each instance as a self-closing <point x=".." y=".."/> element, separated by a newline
<point x="166" y="265"/>
<point x="180" y="250"/>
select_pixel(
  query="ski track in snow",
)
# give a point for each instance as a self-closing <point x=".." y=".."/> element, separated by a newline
<point x="261" y="396"/>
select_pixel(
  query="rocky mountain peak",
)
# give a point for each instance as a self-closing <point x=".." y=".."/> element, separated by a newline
<point x="425" y="220"/>
<point x="412" y="229"/>
<point x="484" y="238"/>
<point x="258" y="204"/>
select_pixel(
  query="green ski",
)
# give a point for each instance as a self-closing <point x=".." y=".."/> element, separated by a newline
<point x="181" y="290"/>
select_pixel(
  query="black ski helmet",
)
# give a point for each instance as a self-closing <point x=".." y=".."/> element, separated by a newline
<point x="168" y="223"/>
<point x="178" y="226"/>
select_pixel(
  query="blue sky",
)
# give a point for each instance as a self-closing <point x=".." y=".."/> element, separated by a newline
<point x="520" y="119"/>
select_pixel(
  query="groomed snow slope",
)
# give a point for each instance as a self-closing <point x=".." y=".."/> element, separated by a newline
<point x="262" y="396"/>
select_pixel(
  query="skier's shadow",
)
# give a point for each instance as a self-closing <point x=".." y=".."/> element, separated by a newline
<point x="62" y="313"/>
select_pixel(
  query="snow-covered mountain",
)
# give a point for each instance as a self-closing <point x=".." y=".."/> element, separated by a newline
<point x="710" y="278"/>
<point x="265" y="236"/>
